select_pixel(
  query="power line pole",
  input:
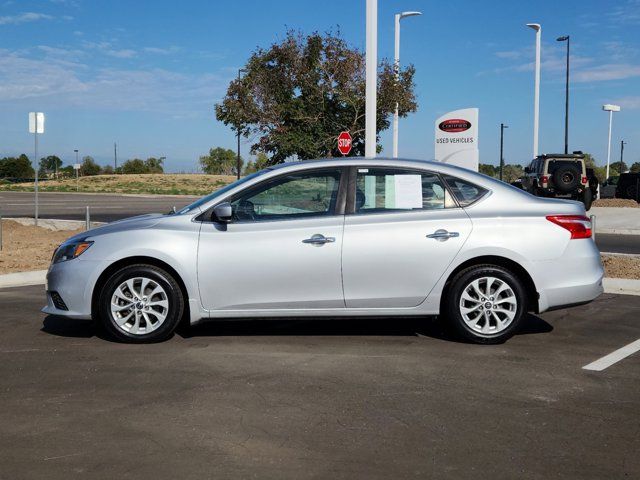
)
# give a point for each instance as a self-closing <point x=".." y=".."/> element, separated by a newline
<point x="115" y="157"/>
<point x="622" y="144"/>
<point x="502" y="127"/>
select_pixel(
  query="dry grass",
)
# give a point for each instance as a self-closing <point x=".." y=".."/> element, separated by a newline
<point x="27" y="248"/>
<point x="167" y="184"/>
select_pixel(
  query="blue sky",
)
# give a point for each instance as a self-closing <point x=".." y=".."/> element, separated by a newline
<point x="147" y="74"/>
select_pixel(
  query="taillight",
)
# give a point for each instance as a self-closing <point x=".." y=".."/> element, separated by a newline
<point x="585" y="180"/>
<point x="544" y="179"/>
<point x="578" y="225"/>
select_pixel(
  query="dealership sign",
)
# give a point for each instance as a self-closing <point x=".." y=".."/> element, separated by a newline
<point x="456" y="139"/>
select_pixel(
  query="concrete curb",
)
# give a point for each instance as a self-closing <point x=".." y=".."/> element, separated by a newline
<point x="621" y="286"/>
<point x="23" y="279"/>
<point x="53" y="224"/>
<point x="615" y="231"/>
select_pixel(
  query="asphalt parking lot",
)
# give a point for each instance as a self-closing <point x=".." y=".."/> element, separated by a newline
<point x="349" y="398"/>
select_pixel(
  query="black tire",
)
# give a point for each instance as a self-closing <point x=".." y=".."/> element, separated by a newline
<point x="566" y="179"/>
<point x="632" y="193"/>
<point x="587" y="199"/>
<point x="452" y="303"/>
<point x="173" y="312"/>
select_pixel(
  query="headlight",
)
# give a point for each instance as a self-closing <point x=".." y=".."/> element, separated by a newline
<point x="69" y="251"/>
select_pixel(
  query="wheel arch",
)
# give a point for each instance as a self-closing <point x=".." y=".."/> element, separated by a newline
<point x="135" y="260"/>
<point x="518" y="270"/>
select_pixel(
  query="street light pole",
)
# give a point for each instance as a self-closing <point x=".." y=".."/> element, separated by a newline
<point x="502" y="127"/>
<point x="371" y="78"/>
<point x="536" y="98"/>
<point x="567" y="39"/>
<point x="396" y="69"/>
<point x="622" y="144"/>
<point x="77" y="170"/>
<point x="238" y="163"/>
<point x="609" y="108"/>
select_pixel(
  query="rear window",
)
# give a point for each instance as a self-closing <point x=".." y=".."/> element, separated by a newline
<point x="556" y="164"/>
<point x="465" y="192"/>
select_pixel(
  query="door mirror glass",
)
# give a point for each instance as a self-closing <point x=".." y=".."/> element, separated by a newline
<point x="222" y="213"/>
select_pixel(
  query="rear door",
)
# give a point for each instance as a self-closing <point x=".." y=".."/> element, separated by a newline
<point x="403" y="231"/>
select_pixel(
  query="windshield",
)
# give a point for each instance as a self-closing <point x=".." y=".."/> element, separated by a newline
<point x="198" y="203"/>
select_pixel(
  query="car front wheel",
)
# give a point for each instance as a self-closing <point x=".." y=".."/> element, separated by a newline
<point x="140" y="304"/>
<point x="485" y="304"/>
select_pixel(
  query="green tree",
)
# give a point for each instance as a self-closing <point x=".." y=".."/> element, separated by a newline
<point x="12" y="167"/>
<point x="134" y="166"/>
<point x="299" y="94"/>
<point x="89" y="167"/>
<point x="67" y="172"/>
<point x="50" y="164"/>
<point x="635" y="168"/>
<point x="589" y="161"/>
<point x="489" y="170"/>
<point x="259" y="163"/>
<point x="106" y="170"/>
<point x="510" y="173"/>
<point x="616" y="168"/>
<point x="154" y="165"/>
<point x="220" y="161"/>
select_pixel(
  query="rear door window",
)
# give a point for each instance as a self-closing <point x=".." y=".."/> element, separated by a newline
<point x="465" y="192"/>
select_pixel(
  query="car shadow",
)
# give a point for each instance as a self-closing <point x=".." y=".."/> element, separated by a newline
<point x="68" y="327"/>
<point x="343" y="326"/>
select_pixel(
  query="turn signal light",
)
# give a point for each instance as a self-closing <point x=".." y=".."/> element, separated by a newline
<point x="578" y="226"/>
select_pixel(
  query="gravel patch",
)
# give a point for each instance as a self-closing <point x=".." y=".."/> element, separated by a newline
<point x="616" y="202"/>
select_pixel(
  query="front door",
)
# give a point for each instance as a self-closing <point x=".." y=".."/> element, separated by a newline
<point x="282" y="248"/>
<point x="405" y="230"/>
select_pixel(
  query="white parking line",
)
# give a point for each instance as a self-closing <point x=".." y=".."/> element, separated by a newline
<point x="613" y="357"/>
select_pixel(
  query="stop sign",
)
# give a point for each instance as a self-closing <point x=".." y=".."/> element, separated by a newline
<point x="344" y="143"/>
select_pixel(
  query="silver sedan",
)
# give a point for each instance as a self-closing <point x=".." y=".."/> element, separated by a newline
<point x="348" y="237"/>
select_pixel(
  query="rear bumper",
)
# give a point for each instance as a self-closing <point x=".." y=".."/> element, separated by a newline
<point x="575" y="278"/>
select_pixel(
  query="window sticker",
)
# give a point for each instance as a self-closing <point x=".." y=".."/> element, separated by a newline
<point x="407" y="191"/>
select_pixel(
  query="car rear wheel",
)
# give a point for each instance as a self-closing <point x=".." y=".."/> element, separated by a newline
<point x="140" y="304"/>
<point x="485" y="304"/>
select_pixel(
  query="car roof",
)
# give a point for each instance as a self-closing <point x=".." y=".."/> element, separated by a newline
<point x="377" y="162"/>
<point x="551" y="156"/>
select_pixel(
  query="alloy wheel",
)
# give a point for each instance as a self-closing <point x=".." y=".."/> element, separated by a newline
<point x="488" y="305"/>
<point x="139" y="305"/>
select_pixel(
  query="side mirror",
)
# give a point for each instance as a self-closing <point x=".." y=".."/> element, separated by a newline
<point x="527" y="170"/>
<point x="222" y="213"/>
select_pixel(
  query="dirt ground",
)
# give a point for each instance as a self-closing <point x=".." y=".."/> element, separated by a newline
<point x="621" y="266"/>
<point x="28" y="248"/>
<point x="616" y="202"/>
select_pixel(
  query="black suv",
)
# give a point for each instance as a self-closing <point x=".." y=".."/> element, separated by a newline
<point x="629" y="186"/>
<point x="559" y="175"/>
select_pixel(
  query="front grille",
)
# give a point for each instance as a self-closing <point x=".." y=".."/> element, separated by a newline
<point x="57" y="301"/>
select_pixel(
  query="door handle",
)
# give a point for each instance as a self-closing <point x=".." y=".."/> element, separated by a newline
<point x="319" y="239"/>
<point x="442" y="235"/>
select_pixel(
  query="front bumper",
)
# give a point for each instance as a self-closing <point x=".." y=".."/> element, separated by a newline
<point x="73" y="281"/>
